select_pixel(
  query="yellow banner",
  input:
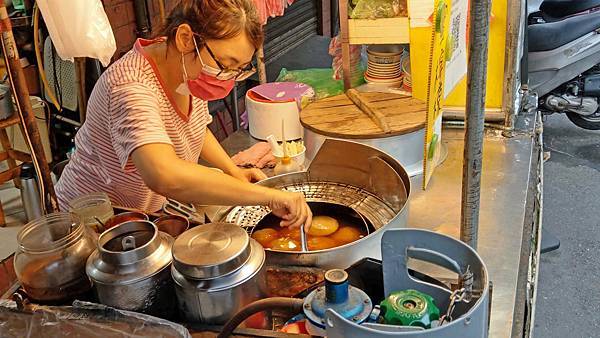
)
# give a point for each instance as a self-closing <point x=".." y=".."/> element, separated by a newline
<point x="442" y="50"/>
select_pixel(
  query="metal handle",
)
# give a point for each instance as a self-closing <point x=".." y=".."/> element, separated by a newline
<point x="434" y="257"/>
<point x="128" y="243"/>
<point x="364" y="220"/>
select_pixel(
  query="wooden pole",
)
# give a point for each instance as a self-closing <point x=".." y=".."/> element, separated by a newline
<point x="345" y="41"/>
<point x="25" y="111"/>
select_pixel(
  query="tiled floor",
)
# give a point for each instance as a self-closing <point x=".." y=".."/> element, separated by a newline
<point x="15" y="218"/>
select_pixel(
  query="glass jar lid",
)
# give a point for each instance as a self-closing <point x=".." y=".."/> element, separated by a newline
<point x="50" y="232"/>
<point x="211" y="250"/>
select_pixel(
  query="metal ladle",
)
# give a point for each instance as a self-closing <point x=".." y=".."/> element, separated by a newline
<point x="303" y="244"/>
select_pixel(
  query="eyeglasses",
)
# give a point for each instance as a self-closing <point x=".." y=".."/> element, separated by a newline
<point x="225" y="73"/>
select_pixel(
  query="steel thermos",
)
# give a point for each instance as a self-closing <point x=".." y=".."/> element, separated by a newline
<point x="30" y="193"/>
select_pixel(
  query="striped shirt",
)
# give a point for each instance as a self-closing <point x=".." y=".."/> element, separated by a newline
<point x="127" y="109"/>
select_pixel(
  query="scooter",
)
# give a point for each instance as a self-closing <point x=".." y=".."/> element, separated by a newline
<point x="563" y="59"/>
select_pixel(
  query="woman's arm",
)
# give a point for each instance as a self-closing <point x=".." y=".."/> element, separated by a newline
<point x="213" y="153"/>
<point x="170" y="176"/>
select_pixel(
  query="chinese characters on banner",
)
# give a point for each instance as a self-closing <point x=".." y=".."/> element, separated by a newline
<point x="447" y="67"/>
<point x="456" y="46"/>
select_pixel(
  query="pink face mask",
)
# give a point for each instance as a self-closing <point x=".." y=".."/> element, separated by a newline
<point x="206" y="86"/>
<point x="209" y="88"/>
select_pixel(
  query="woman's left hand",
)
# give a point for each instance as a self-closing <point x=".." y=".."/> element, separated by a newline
<point x="251" y="175"/>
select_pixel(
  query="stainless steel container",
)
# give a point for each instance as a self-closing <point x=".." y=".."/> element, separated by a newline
<point x="217" y="269"/>
<point x="406" y="148"/>
<point x="30" y="193"/>
<point x="130" y="269"/>
<point x="351" y="174"/>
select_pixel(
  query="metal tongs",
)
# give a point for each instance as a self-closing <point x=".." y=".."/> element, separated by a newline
<point x="173" y="207"/>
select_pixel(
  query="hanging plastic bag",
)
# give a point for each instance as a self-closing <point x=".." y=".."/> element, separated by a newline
<point x="356" y="62"/>
<point x="79" y="29"/>
<point x="320" y="79"/>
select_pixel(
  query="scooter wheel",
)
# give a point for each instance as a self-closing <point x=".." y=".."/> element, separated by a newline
<point x="585" y="122"/>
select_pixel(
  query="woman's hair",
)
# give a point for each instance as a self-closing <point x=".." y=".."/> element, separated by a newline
<point x="215" y="19"/>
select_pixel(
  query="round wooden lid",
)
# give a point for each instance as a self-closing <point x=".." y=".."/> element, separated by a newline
<point x="337" y="116"/>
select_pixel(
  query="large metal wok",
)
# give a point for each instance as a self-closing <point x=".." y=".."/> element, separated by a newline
<point x="346" y="173"/>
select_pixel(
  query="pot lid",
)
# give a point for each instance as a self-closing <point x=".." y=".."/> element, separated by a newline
<point x="339" y="117"/>
<point x="251" y="269"/>
<point x="282" y="91"/>
<point x="211" y="250"/>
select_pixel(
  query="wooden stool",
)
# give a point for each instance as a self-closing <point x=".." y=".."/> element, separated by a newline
<point x="11" y="156"/>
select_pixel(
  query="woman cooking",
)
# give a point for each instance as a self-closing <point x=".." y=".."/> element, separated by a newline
<point x="147" y="118"/>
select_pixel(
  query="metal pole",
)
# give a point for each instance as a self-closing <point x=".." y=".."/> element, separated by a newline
<point x="142" y="22"/>
<point x="80" y="69"/>
<point x="161" y="11"/>
<point x="515" y="31"/>
<point x="236" y="109"/>
<point x="475" y="117"/>
<point x="21" y="95"/>
<point x="260" y="64"/>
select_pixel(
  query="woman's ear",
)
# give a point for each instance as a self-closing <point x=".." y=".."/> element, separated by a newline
<point x="184" y="39"/>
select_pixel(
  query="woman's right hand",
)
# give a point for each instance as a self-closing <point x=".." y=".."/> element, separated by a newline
<point x="291" y="207"/>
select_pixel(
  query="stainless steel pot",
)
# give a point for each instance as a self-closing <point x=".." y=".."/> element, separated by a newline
<point x="130" y="269"/>
<point x="406" y="149"/>
<point x="360" y="177"/>
<point x="217" y="269"/>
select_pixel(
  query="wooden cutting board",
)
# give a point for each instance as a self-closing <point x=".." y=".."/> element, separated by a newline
<point x="337" y="116"/>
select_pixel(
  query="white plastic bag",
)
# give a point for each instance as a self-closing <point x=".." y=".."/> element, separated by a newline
<point x="79" y="28"/>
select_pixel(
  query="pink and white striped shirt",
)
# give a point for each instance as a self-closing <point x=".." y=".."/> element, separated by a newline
<point x="127" y="109"/>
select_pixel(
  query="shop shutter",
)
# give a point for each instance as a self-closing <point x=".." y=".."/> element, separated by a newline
<point x="282" y="34"/>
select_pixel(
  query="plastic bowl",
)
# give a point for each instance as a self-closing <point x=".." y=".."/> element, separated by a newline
<point x="298" y="158"/>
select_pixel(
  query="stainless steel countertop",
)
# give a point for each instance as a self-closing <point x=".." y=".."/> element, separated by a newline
<point x="505" y="179"/>
<point x="504" y="187"/>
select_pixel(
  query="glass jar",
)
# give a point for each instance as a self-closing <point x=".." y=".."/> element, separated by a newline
<point x="94" y="209"/>
<point x="51" y="256"/>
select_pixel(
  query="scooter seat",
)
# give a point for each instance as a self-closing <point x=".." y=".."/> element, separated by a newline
<point x="562" y="8"/>
<point x="549" y="36"/>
